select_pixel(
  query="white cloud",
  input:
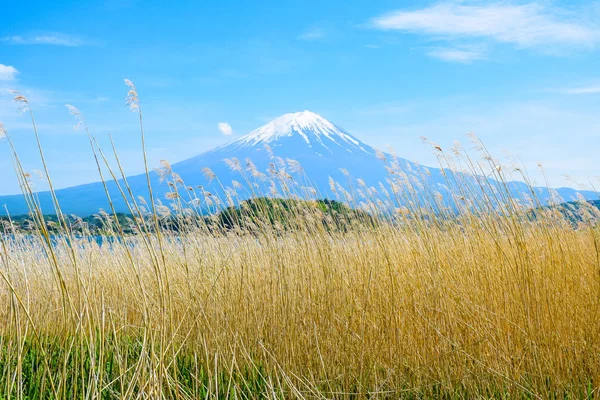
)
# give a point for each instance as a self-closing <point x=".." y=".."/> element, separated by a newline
<point x="456" y="55"/>
<point x="7" y="72"/>
<point x="524" y="25"/>
<point x="314" y="33"/>
<point x="225" y="128"/>
<point x="56" y="39"/>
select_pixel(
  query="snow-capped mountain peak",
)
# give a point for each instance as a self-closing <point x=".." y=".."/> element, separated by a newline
<point x="311" y="127"/>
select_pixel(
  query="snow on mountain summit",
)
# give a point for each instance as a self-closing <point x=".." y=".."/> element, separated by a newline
<point x="311" y="127"/>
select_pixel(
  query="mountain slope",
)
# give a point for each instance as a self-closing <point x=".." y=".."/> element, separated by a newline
<point x="322" y="149"/>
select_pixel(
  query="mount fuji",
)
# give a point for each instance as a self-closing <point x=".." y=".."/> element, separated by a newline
<point x="302" y="140"/>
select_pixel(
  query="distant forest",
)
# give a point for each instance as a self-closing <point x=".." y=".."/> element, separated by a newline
<point x="281" y="214"/>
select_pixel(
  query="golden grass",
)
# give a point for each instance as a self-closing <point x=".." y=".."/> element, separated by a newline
<point x="491" y="305"/>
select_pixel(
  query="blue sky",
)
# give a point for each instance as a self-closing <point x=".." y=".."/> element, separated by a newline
<point x="524" y="76"/>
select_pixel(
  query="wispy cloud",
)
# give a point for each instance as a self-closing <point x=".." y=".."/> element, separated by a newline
<point x="54" y="39"/>
<point x="225" y="128"/>
<point x="314" y="33"/>
<point x="463" y="56"/>
<point x="7" y="72"/>
<point x="583" y="90"/>
<point x="529" y="25"/>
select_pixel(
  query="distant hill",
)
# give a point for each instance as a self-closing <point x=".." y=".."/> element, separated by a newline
<point x="574" y="211"/>
<point x="287" y="214"/>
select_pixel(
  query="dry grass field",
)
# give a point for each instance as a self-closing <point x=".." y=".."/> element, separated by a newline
<point x="484" y="301"/>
